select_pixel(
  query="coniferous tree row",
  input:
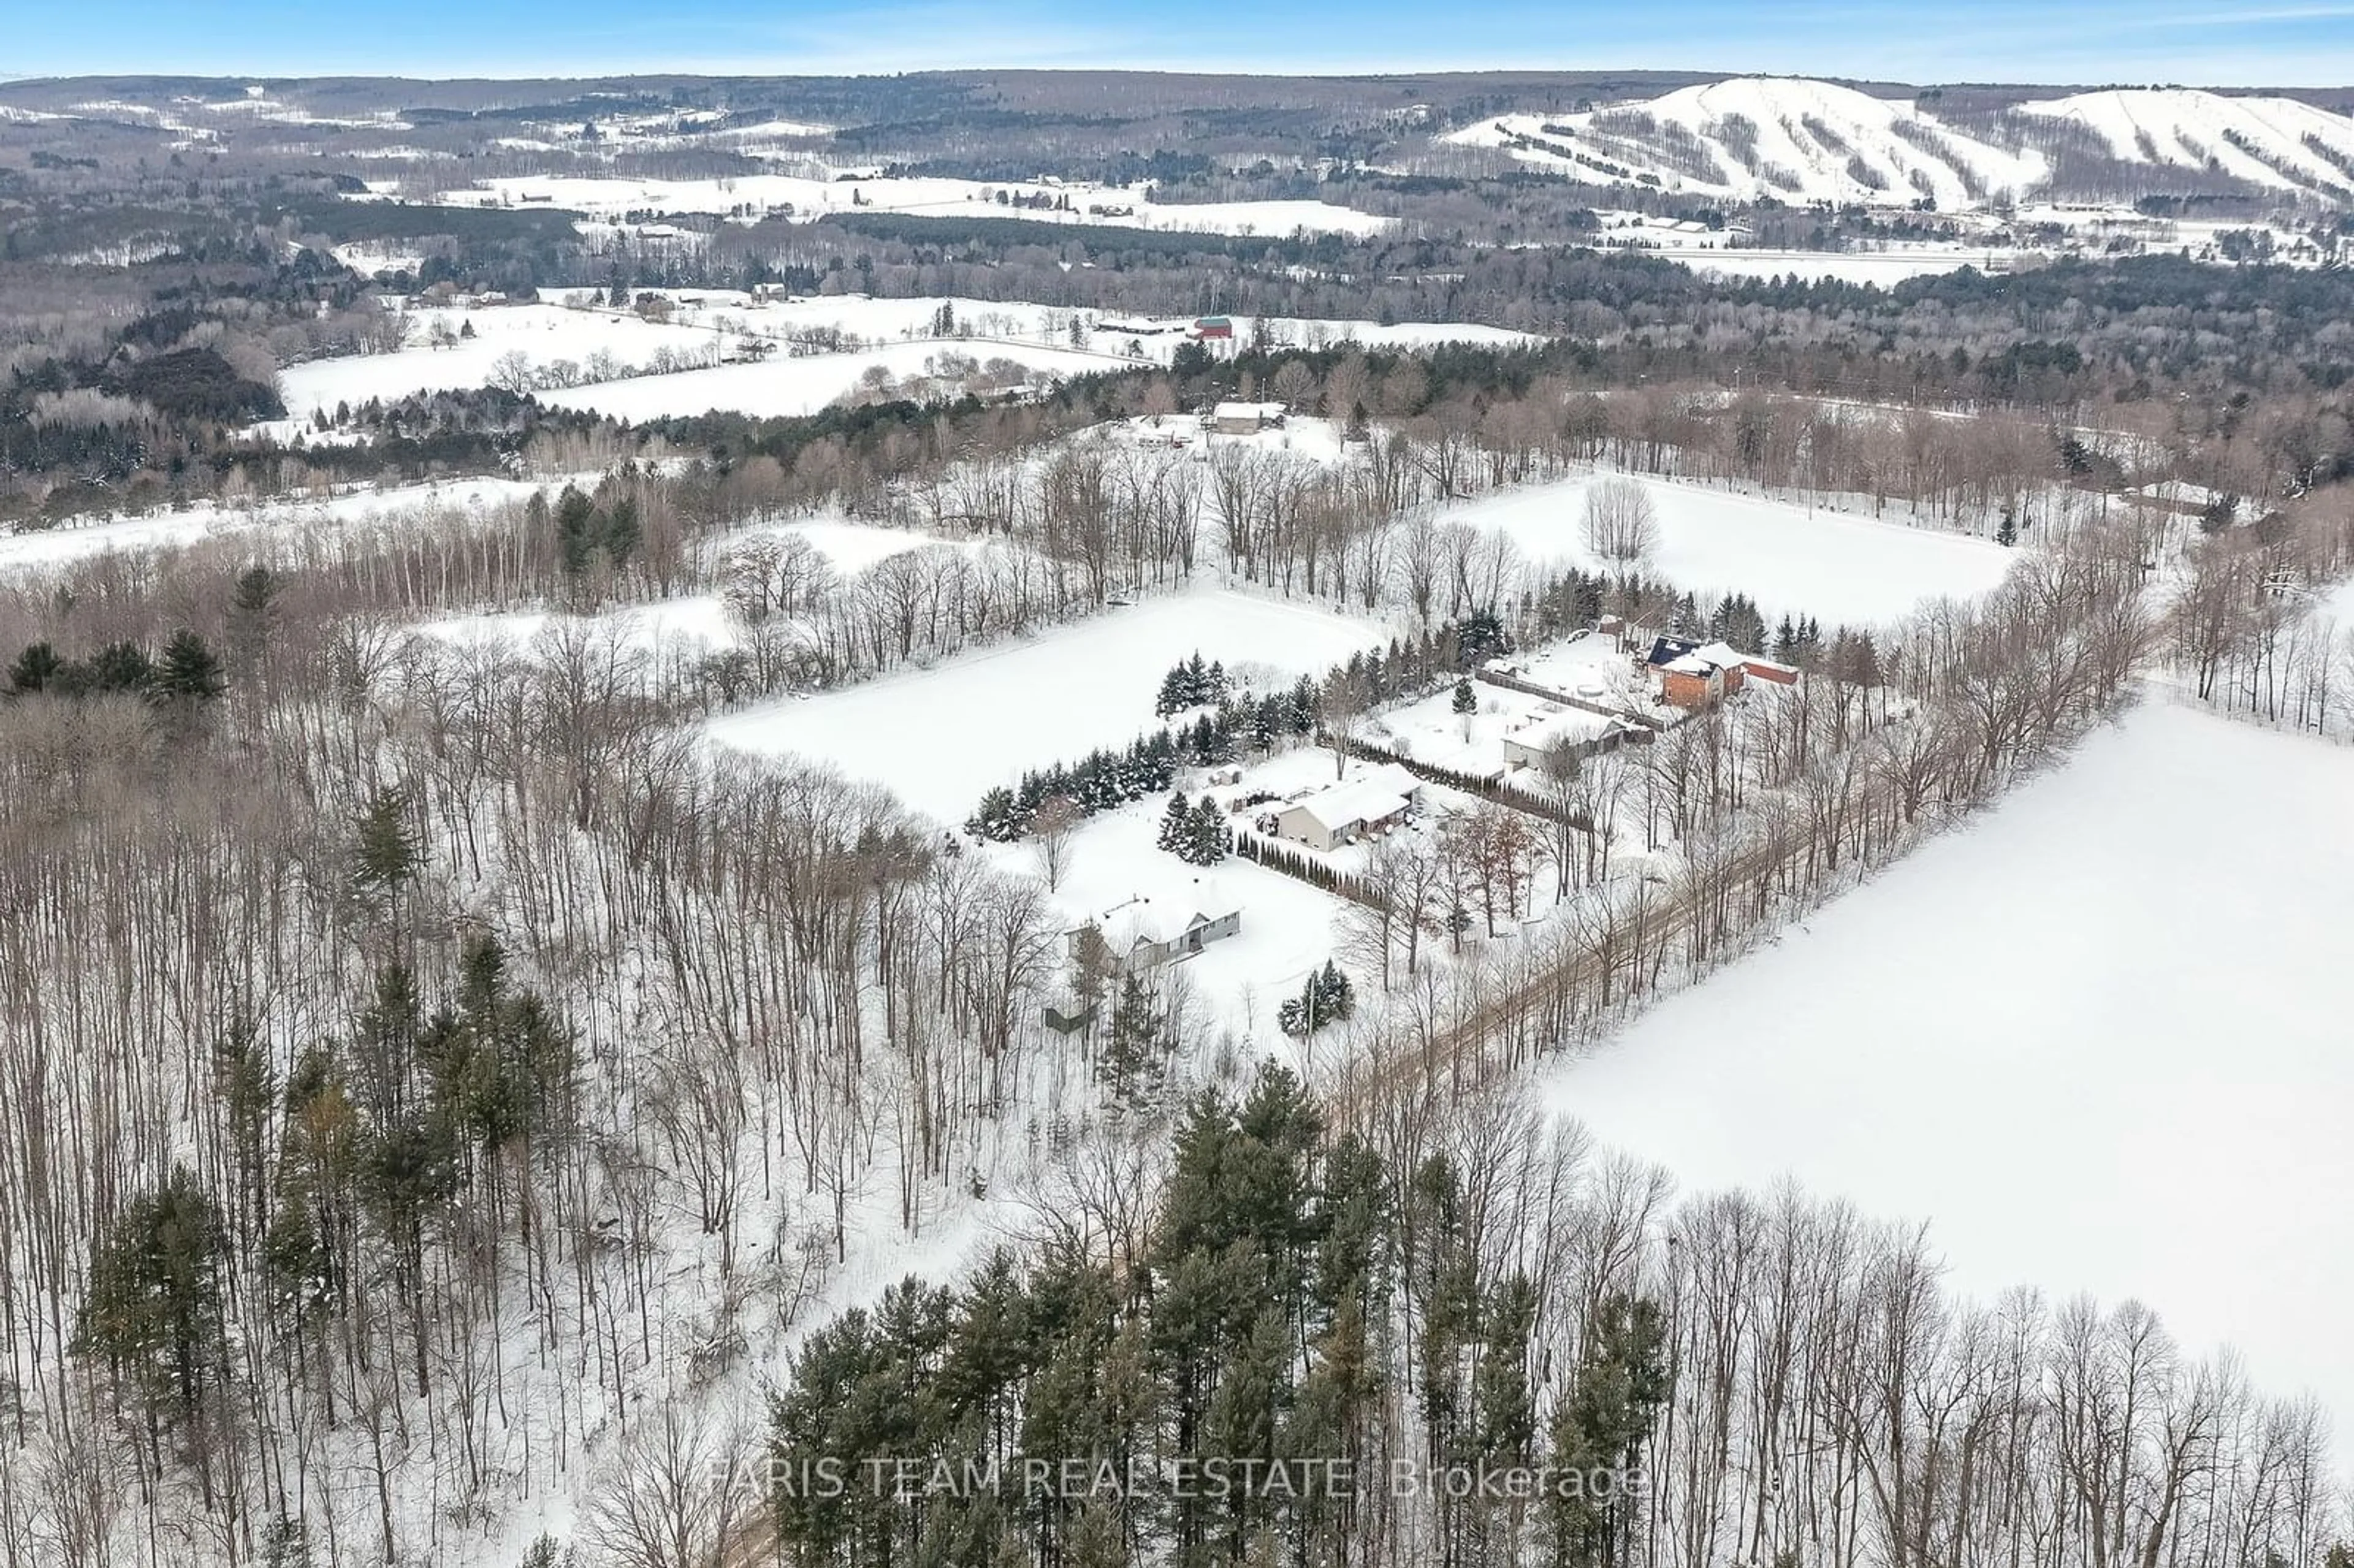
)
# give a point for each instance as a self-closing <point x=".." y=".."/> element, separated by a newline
<point x="1298" y="1327"/>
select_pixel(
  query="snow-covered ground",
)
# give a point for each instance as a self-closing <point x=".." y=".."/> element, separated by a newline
<point x="1789" y="557"/>
<point x="1881" y="267"/>
<point x="1752" y="137"/>
<point x="1590" y="666"/>
<point x="1119" y="878"/>
<point x="2264" y="141"/>
<point x="2099" y="1040"/>
<point x="706" y="325"/>
<point x="541" y="333"/>
<point x="800" y="199"/>
<point x="941" y="737"/>
<point x="74" y="540"/>
<point x="786" y="387"/>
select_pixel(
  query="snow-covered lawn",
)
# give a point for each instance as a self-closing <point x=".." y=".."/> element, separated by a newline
<point x="940" y="737"/>
<point x="1430" y="730"/>
<point x="1117" y="875"/>
<point x="1789" y="557"/>
<point x="73" y="540"/>
<point x="2099" y="1040"/>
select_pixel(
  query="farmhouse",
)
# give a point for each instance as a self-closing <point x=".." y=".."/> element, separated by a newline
<point x="1144" y="934"/>
<point x="1246" y="418"/>
<point x="1694" y="674"/>
<point x="1343" y="813"/>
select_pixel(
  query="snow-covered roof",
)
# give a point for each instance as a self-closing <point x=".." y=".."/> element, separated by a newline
<point x="1379" y="794"/>
<point x="1259" y="411"/>
<point x="1146" y="919"/>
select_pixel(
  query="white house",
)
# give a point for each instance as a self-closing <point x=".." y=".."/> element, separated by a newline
<point x="1344" y="812"/>
<point x="1246" y="418"/>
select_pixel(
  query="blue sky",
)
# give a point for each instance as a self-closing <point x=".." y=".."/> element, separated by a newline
<point x="2200" y="42"/>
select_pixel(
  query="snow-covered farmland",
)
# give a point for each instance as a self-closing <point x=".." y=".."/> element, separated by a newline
<point x="941" y="737"/>
<point x="1789" y="557"/>
<point x="2099" y="1040"/>
<point x="435" y="358"/>
<point x="1884" y="268"/>
<point x="785" y="387"/>
<point x="803" y="199"/>
<point x="72" y="541"/>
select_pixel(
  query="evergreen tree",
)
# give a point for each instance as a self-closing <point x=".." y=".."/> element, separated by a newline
<point x="253" y="615"/>
<point x="1173" y="698"/>
<point x="190" y="672"/>
<point x="117" y="667"/>
<point x="1129" y="1061"/>
<point x="1466" y="701"/>
<point x="1205" y="839"/>
<point x="386" y="852"/>
<point x="153" y="1307"/>
<point x="37" y="669"/>
<point x="1176" y="826"/>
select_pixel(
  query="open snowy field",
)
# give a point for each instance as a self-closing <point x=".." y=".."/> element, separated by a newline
<point x="940" y="737"/>
<point x="798" y="198"/>
<point x="541" y="333"/>
<point x="73" y="541"/>
<point x="1884" y="268"/>
<point x="786" y="387"/>
<point x="2099" y="1041"/>
<point x="1787" y="556"/>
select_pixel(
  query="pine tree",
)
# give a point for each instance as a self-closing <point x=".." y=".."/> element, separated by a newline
<point x="153" y="1305"/>
<point x="1129" y="1062"/>
<point x="253" y="615"/>
<point x="1176" y="825"/>
<point x="190" y="672"/>
<point x="37" y="669"/>
<point x="1205" y="839"/>
<point x="386" y="852"/>
<point x="1466" y="701"/>
<point x="1172" y="692"/>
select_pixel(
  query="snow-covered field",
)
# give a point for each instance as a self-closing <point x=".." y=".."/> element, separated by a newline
<point x="2099" y="1040"/>
<point x="786" y="387"/>
<point x="542" y="334"/>
<point x="1881" y="267"/>
<point x="73" y="541"/>
<point x="941" y="737"/>
<point x="898" y="336"/>
<point x="802" y="199"/>
<point x="1790" y="558"/>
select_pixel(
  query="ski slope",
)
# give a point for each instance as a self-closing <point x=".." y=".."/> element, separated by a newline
<point x="2097" y="1040"/>
<point x="1754" y="137"/>
<point x="2265" y="140"/>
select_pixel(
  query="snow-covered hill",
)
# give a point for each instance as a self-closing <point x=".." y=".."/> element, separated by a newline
<point x="1754" y="137"/>
<point x="2275" y="142"/>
